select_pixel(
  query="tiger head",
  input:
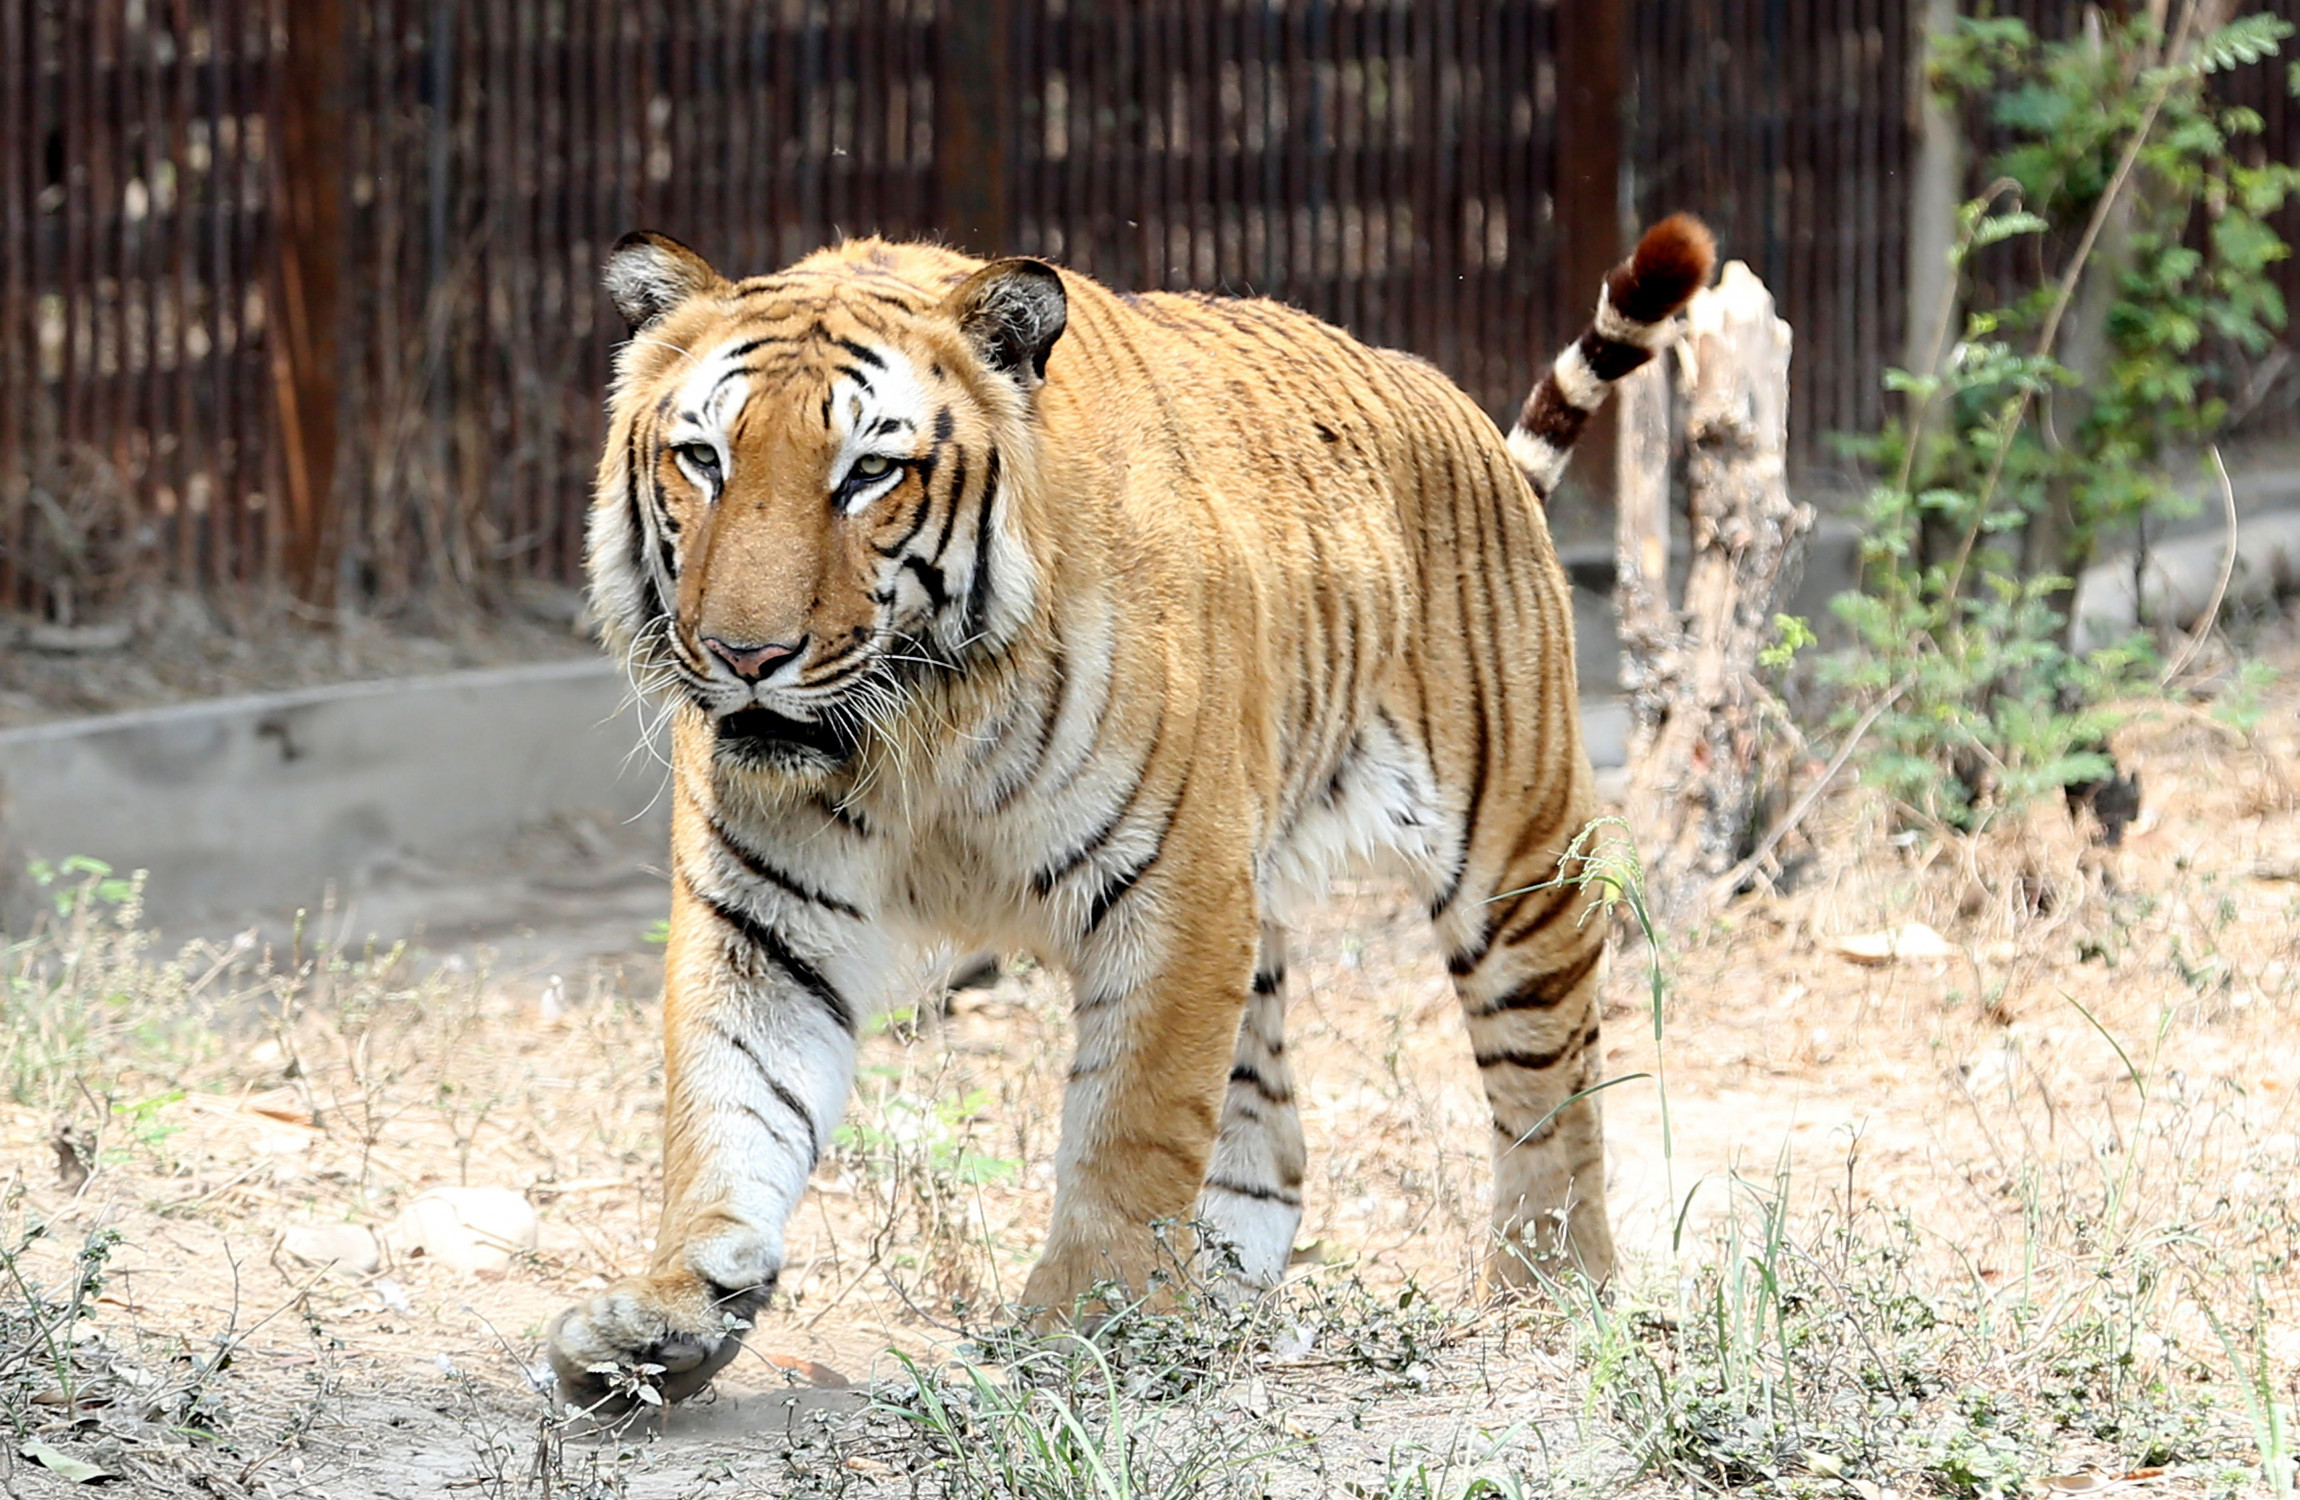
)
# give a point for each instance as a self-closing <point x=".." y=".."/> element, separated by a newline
<point x="804" y="505"/>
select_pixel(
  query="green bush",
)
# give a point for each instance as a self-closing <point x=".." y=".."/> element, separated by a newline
<point x="2133" y="250"/>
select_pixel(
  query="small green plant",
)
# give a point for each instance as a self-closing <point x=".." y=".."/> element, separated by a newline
<point x="80" y="986"/>
<point x="79" y="880"/>
<point x="937" y="1134"/>
<point x="915" y="1150"/>
<point x="1826" y="1351"/>
<point x="2131" y="246"/>
<point x="1791" y="634"/>
<point x="2273" y="1426"/>
<point x="1061" y="1425"/>
<point x="146" y="1121"/>
<point x="42" y="1352"/>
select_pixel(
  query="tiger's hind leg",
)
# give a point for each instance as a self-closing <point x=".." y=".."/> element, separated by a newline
<point x="1252" y="1198"/>
<point x="1528" y="971"/>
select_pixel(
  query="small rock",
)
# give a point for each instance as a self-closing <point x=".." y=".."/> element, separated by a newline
<point x="347" y="1247"/>
<point x="475" y="1230"/>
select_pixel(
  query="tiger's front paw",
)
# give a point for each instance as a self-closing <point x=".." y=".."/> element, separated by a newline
<point x="1082" y="1279"/>
<point x="665" y="1334"/>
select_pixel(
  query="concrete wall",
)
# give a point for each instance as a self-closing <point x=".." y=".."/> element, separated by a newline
<point x="257" y="804"/>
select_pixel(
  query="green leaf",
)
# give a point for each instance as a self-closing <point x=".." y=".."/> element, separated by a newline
<point x="2247" y="39"/>
<point x="2004" y="226"/>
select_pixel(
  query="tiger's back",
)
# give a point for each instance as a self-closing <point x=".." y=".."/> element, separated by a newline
<point x="1010" y="609"/>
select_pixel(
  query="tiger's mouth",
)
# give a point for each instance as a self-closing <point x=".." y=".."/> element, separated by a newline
<point x="760" y="737"/>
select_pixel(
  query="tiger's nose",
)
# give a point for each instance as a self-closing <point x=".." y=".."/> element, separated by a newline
<point x="752" y="663"/>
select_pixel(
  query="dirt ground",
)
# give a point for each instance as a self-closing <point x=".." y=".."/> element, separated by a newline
<point x="2095" y="1065"/>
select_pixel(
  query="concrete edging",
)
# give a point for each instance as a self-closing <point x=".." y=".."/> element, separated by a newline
<point x="259" y="803"/>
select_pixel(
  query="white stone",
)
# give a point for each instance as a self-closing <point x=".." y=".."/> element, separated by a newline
<point x="347" y="1247"/>
<point x="1909" y="940"/>
<point x="475" y="1230"/>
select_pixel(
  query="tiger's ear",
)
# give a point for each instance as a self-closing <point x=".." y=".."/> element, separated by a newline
<point x="648" y="274"/>
<point x="1012" y="311"/>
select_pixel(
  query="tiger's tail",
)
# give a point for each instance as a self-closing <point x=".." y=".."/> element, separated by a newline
<point x="1634" y="309"/>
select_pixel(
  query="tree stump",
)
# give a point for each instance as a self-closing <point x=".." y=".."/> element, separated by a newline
<point x="1689" y="666"/>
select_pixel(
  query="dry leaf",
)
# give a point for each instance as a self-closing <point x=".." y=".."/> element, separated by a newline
<point x="807" y="1370"/>
<point x="64" y="1465"/>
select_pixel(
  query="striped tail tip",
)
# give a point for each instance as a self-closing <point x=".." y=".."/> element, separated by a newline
<point x="1634" y="311"/>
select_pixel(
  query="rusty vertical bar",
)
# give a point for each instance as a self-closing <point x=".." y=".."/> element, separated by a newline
<point x="837" y="85"/>
<point x="745" y="142"/>
<point x="557" y="453"/>
<point x="1098" y="155"/>
<point x="1401" y="207"/>
<point x="785" y="122"/>
<point x="20" y="375"/>
<point x="163" y="450"/>
<point x="312" y="162"/>
<point x="974" y="123"/>
<point x="1268" y="64"/>
<point x="195" y="448"/>
<point x="1590" y="87"/>
<point x="75" y="294"/>
<point x="1067" y="179"/>
<point x="1476" y="59"/>
<point x="1365" y="181"/>
<point x="1157" y="143"/>
<point x="509" y="317"/>
<point x="918" y="117"/>
<point x="106" y="430"/>
<point x="217" y="403"/>
<point x="490" y="506"/>
<point x="1422" y="290"/>
<point x="1023" y="24"/>
<point x="1202" y="261"/>
<point x="1240" y="195"/>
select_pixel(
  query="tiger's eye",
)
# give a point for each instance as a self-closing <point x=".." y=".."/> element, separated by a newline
<point x="872" y="466"/>
<point x="701" y="457"/>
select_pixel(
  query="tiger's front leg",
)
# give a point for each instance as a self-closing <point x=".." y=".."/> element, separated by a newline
<point x="765" y="984"/>
<point x="1161" y="974"/>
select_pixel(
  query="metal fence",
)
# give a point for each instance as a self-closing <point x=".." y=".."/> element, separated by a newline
<point x="258" y="317"/>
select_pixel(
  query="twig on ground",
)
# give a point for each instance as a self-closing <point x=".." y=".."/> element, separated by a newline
<point x="917" y="1311"/>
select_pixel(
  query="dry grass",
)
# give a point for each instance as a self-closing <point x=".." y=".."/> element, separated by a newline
<point x="1940" y="1226"/>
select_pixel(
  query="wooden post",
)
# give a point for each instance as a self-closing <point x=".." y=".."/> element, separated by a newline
<point x="1690" y="669"/>
<point x="1936" y="190"/>
<point x="307" y="336"/>
<point x="1591" y="79"/>
<point x="974" y="119"/>
<point x="1641" y="516"/>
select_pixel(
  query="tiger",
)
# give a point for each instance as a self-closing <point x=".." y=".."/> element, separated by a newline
<point x="994" y="607"/>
